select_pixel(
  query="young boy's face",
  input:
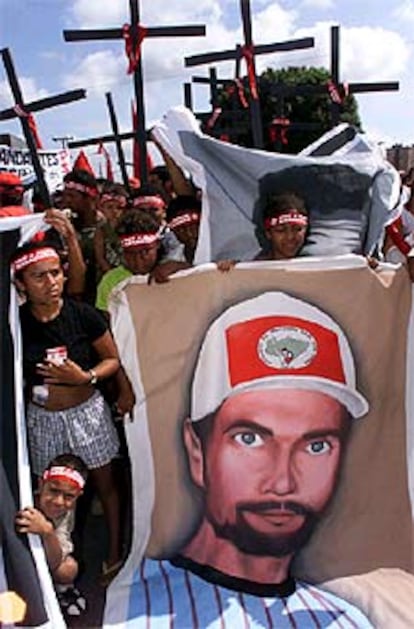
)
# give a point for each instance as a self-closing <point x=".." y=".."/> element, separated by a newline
<point x="57" y="497"/>
<point x="188" y="234"/>
<point x="141" y="260"/>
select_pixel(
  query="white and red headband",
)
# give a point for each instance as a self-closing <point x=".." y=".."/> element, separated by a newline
<point x="289" y="217"/>
<point x="80" y="187"/>
<point x="189" y="218"/>
<point x="139" y="240"/>
<point x="119" y="198"/>
<point x="67" y="474"/>
<point x="31" y="257"/>
<point x="145" y="201"/>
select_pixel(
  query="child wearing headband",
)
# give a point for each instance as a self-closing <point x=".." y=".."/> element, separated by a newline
<point x="52" y="519"/>
<point x="285" y="223"/>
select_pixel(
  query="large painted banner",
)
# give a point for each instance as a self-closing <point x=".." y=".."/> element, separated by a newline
<point x="271" y="447"/>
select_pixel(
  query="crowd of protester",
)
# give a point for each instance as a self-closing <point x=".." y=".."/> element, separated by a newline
<point x="101" y="233"/>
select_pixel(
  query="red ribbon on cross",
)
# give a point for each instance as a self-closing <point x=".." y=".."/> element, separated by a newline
<point x="103" y="151"/>
<point x="278" y="130"/>
<point x="241" y="94"/>
<point x="213" y="118"/>
<point x="248" y="54"/>
<point x="337" y="93"/>
<point x="22" y="113"/>
<point x="133" y="53"/>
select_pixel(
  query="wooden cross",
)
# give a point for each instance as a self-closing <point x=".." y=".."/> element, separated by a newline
<point x="231" y="122"/>
<point x="133" y="34"/>
<point x="249" y="52"/>
<point x="22" y="110"/>
<point x="334" y="88"/>
<point x="352" y="88"/>
<point x="116" y="137"/>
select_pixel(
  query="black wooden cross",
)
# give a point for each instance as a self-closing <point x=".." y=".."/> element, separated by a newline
<point x="116" y="137"/>
<point x="351" y="88"/>
<point x="22" y="110"/>
<point x="231" y="122"/>
<point x="249" y="52"/>
<point x="133" y="34"/>
<point x="334" y="88"/>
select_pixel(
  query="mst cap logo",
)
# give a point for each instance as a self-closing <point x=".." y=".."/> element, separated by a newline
<point x="287" y="347"/>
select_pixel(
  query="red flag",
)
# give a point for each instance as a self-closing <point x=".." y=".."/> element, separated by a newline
<point x="109" y="172"/>
<point x="82" y="163"/>
<point x="136" y="159"/>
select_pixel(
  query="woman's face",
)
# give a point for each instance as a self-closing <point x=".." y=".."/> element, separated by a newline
<point x="42" y="282"/>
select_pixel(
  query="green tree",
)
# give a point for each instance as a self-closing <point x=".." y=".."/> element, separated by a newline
<point x="309" y="112"/>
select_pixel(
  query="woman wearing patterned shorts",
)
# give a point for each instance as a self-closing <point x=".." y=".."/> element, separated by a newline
<point x="67" y="350"/>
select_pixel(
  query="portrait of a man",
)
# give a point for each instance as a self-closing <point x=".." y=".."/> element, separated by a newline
<point x="273" y="397"/>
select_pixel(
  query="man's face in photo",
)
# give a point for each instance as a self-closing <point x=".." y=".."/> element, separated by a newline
<point x="268" y="467"/>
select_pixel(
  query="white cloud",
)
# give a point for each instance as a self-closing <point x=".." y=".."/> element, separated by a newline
<point x="373" y="54"/>
<point x="98" y="13"/>
<point x="366" y="53"/>
<point x="273" y="24"/>
<point x="405" y="12"/>
<point x="29" y="89"/>
<point x="105" y="13"/>
<point x="98" y="72"/>
<point x="318" y="4"/>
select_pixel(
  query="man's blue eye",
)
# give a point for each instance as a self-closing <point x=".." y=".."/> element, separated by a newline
<point x="319" y="447"/>
<point x="249" y="439"/>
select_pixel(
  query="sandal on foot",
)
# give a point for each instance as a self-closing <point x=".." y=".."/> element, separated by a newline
<point x="72" y="602"/>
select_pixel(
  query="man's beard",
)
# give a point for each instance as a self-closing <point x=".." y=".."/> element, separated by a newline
<point x="253" y="542"/>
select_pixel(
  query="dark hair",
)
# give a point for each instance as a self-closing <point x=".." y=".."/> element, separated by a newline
<point x="69" y="460"/>
<point x="77" y="175"/>
<point x="148" y="190"/>
<point x="30" y="246"/>
<point x="12" y="189"/>
<point x="183" y="203"/>
<point x="110" y="187"/>
<point x="280" y="203"/>
<point x="11" y="198"/>
<point x="161" y="172"/>
<point x="137" y="221"/>
<point x="203" y="427"/>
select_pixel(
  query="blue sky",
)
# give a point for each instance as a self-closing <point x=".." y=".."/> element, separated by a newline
<point x="376" y="44"/>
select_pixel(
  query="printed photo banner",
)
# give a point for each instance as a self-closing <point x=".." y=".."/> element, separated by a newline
<point x="56" y="164"/>
<point x="367" y="525"/>
<point x="350" y="194"/>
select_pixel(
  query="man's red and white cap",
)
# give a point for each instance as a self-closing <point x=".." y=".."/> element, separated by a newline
<point x="274" y="341"/>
